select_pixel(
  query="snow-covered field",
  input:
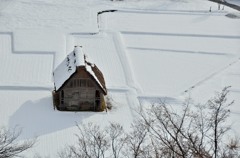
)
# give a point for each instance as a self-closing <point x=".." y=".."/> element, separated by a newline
<point x="148" y="49"/>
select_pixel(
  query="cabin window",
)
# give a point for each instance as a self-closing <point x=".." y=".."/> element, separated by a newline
<point x="97" y="94"/>
<point x="90" y="83"/>
<point x="83" y="82"/>
<point x="75" y="83"/>
<point x="62" y="97"/>
<point x="80" y="83"/>
<point x="70" y="84"/>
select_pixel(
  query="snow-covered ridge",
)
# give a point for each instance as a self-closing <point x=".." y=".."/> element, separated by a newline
<point x="236" y="2"/>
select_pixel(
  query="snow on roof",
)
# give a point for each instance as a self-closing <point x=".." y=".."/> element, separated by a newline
<point x="89" y="69"/>
<point x="69" y="65"/>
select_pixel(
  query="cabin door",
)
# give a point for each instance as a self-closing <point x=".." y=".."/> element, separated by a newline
<point x="97" y="100"/>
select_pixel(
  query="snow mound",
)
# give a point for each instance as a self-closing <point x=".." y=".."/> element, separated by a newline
<point x="233" y="15"/>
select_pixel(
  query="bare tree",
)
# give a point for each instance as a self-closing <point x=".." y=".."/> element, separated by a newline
<point x="219" y="112"/>
<point x="10" y="146"/>
<point x="195" y="132"/>
<point x="161" y="132"/>
<point x="137" y="145"/>
<point x="117" y="139"/>
<point x="92" y="142"/>
<point x="96" y="142"/>
<point x="166" y="130"/>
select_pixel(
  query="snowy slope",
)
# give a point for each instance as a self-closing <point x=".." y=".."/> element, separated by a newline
<point x="148" y="49"/>
<point x="236" y="2"/>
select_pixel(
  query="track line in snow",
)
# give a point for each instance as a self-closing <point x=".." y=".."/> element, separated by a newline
<point x="174" y="12"/>
<point x="25" y="88"/>
<point x="124" y="60"/>
<point x="235" y="113"/>
<point x="159" y="99"/>
<point x="14" y="51"/>
<point x="19" y="61"/>
<point x="116" y="89"/>
<point x="212" y="75"/>
<point x="180" y="34"/>
<point x="235" y="90"/>
<point x="181" y="51"/>
<point x="129" y="75"/>
<point x="84" y="33"/>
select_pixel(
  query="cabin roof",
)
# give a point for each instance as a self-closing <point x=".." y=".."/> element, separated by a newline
<point x="69" y="65"/>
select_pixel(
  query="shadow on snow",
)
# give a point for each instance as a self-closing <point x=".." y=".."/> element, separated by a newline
<point x="37" y="118"/>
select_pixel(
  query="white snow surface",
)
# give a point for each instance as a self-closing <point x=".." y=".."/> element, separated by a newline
<point x="148" y="50"/>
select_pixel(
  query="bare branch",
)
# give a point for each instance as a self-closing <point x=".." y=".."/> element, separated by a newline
<point x="10" y="146"/>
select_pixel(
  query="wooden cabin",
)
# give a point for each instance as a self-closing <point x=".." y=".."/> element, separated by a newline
<point x="79" y="84"/>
